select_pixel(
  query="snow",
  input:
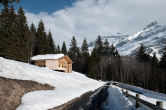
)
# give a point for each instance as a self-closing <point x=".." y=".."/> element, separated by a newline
<point x="147" y="95"/>
<point x="47" y="57"/>
<point x="67" y="85"/>
<point x="118" y="101"/>
<point x="134" y="35"/>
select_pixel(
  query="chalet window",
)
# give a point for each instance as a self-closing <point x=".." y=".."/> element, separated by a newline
<point x="59" y="65"/>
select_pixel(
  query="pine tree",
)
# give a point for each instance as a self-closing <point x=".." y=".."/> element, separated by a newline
<point x="112" y="51"/>
<point x="15" y="34"/>
<point x="33" y="43"/>
<point x="58" y="49"/>
<point x="51" y="45"/>
<point x="74" y="54"/>
<point x="73" y="50"/>
<point x="154" y="60"/>
<point x="99" y="45"/>
<point x="7" y="2"/>
<point x="141" y="54"/>
<point x="84" y="49"/>
<point x="163" y="59"/>
<point x="7" y="33"/>
<point x="42" y="39"/>
<point x="117" y="53"/>
<point x="106" y="51"/>
<point x="89" y="66"/>
<point x="64" y="50"/>
<point x="24" y="36"/>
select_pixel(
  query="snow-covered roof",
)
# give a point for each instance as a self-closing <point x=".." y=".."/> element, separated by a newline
<point x="47" y="57"/>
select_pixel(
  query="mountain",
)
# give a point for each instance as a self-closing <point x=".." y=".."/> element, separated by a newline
<point x="153" y="38"/>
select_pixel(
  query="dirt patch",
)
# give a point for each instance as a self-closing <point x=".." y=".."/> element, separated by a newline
<point x="71" y="103"/>
<point x="11" y="91"/>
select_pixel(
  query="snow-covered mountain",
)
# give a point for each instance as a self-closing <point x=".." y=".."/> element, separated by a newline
<point x="153" y="38"/>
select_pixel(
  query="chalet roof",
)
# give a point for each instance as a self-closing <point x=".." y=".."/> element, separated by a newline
<point x="51" y="57"/>
<point x="47" y="57"/>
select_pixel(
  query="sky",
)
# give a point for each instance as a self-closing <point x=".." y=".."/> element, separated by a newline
<point x="90" y="18"/>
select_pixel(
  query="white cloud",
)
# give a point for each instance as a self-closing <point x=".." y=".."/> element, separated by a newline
<point x="90" y="18"/>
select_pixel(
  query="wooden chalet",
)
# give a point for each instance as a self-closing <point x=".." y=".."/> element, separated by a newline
<point x="58" y="62"/>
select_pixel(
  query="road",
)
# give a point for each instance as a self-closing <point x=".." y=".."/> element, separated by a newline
<point x="93" y="101"/>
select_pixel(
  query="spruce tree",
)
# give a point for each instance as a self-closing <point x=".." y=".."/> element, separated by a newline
<point x="106" y="51"/>
<point x="117" y="53"/>
<point x="42" y="39"/>
<point x="99" y="45"/>
<point x="58" y="49"/>
<point x="141" y="54"/>
<point x="24" y="36"/>
<point x="84" y="49"/>
<point x="51" y="45"/>
<point x="33" y="43"/>
<point x="163" y="58"/>
<point x="74" y="54"/>
<point x="7" y="32"/>
<point x="64" y="50"/>
<point x="112" y="51"/>
<point x="73" y="50"/>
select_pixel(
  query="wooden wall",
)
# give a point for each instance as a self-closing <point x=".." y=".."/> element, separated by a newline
<point x="60" y="64"/>
<point x="41" y="63"/>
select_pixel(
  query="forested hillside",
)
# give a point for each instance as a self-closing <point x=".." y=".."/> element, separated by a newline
<point x="20" y="42"/>
<point x="105" y="63"/>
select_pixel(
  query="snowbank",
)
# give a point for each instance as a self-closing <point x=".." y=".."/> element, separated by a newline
<point x="117" y="101"/>
<point x="67" y="85"/>
<point x="147" y="95"/>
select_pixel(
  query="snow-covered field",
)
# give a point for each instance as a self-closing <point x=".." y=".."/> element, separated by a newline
<point x="117" y="100"/>
<point x="67" y="85"/>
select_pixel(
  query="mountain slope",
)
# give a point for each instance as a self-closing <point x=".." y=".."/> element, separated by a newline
<point x="153" y="38"/>
<point x="67" y="85"/>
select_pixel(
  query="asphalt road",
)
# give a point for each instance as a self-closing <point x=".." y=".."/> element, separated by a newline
<point x="93" y="101"/>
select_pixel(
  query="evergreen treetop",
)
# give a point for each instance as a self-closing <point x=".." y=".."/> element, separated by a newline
<point x="99" y="45"/>
<point x="106" y="50"/>
<point x="7" y="2"/>
<point x="58" y="49"/>
<point x="42" y="39"/>
<point x="84" y="48"/>
<point x="51" y="45"/>
<point x="112" y="51"/>
<point x="73" y="47"/>
<point x="141" y="55"/>
<point x="64" y="49"/>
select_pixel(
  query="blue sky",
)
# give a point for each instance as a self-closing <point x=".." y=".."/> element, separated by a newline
<point x="90" y="18"/>
<point x="49" y="6"/>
